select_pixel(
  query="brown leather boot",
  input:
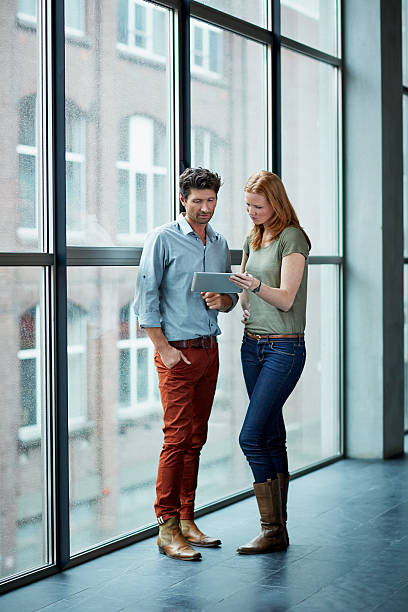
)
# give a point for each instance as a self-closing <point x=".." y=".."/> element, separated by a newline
<point x="272" y="535"/>
<point x="284" y="486"/>
<point x="172" y="543"/>
<point x="194" y="536"/>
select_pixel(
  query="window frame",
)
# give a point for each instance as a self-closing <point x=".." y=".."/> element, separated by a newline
<point x="57" y="261"/>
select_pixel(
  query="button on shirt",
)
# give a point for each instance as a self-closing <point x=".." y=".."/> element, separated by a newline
<point x="171" y="255"/>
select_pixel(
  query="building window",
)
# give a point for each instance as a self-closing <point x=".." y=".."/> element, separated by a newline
<point x="142" y="27"/>
<point x="27" y="165"/>
<point x="29" y="356"/>
<point x="206" y="49"/>
<point x="138" y="384"/>
<point x="142" y="176"/>
<point x="75" y="126"/>
<point x="207" y="149"/>
<point x="74" y="15"/>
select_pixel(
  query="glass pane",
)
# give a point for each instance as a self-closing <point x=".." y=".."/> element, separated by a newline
<point x="311" y="22"/>
<point x="115" y="445"/>
<point x="405" y="42"/>
<point x="229" y="121"/>
<point x="21" y="229"/>
<point x="311" y="417"/>
<point x="310" y="147"/>
<point x="405" y="145"/>
<point x="312" y="413"/>
<point x="23" y="510"/>
<point x="118" y="125"/>
<point x="253" y="11"/>
<point x="114" y="452"/>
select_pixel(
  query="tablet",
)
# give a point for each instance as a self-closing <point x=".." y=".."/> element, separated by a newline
<point x="218" y="282"/>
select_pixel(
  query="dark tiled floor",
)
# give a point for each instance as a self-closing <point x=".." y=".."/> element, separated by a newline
<point x="349" y="551"/>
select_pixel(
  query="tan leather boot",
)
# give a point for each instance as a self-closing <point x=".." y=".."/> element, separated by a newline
<point x="172" y="543"/>
<point x="194" y="536"/>
<point x="284" y="486"/>
<point x="272" y="537"/>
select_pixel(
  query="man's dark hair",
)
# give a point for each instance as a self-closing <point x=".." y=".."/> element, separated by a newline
<point x="198" y="178"/>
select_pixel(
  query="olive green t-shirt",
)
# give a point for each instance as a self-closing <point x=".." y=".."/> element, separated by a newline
<point x="265" y="264"/>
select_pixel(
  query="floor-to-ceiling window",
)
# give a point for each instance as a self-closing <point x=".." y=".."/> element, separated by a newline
<point x="405" y="187"/>
<point x="126" y="134"/>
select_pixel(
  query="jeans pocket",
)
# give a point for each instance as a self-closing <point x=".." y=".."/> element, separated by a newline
<point x="282" y="348"/>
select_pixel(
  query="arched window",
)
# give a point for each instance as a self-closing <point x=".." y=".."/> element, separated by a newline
<point x="143" y="193"/>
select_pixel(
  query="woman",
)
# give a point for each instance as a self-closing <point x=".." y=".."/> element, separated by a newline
<point x="274" y="281"/>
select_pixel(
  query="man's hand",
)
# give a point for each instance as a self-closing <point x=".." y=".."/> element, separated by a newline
<point x="170" y="357"/>
<point x="216" y="301"/>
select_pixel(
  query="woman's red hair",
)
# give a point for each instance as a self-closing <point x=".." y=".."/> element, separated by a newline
<point x="269" y="185"/>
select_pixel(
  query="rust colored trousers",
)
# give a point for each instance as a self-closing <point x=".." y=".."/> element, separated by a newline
<point x="187" y="393"/>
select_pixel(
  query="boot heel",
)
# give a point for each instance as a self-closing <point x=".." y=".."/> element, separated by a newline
<point x="162" y="551"/>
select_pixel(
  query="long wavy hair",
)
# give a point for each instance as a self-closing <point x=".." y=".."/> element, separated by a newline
<point x="269" y="185"/>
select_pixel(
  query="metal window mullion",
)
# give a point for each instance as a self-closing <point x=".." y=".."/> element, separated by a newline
<point x="311" y="52"/>
<point x="184" y="85"/>
<point x="231" y="23"/>
<point x="56" y="76"/>
<point x="276" y="84"/>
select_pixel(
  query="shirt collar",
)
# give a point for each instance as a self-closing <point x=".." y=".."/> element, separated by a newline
<point x="187" y="229"/>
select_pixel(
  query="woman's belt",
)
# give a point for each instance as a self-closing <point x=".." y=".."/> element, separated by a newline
<point x="273" y="336"/>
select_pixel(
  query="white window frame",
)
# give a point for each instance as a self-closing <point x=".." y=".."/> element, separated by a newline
<point x="204" y="70"/>
<point x="133" y="344"/>
<point x="136" y="165"/>
<point x="130" y="47"/>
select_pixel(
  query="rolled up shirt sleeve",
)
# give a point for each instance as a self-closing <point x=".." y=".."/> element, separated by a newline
<point x="146" y="303"/>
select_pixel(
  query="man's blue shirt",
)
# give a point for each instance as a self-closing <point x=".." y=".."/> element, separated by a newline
<point x="171" y="254"/>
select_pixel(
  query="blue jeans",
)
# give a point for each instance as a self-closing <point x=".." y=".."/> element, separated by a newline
<point x="271" y="370"/>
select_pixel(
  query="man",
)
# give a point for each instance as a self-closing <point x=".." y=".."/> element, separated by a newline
<point x="183" y="327"/>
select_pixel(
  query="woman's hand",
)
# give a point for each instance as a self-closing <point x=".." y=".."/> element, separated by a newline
<point x="244" y="280"/>
<point x="245" y="316"/>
